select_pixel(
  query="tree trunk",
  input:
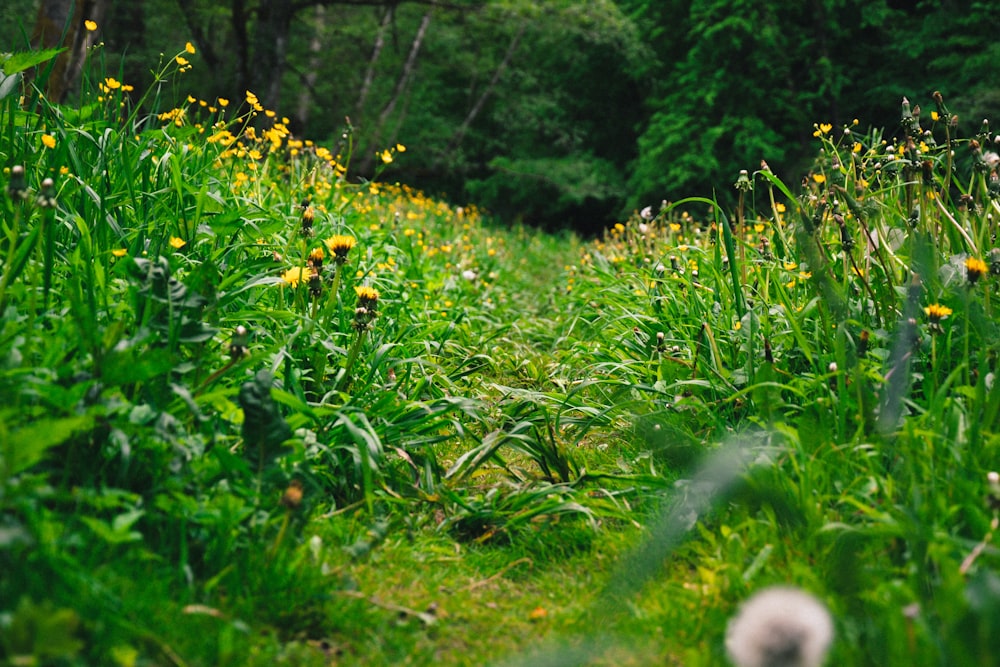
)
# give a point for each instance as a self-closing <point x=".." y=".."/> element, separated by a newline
<point x="366" y="85"/>
<point x="61" y="23"/>
<point x="312" y="70"/>
<point x="239" y="19"/>
<point x="270" y="49"/>
<point x="456" y="139"/>
<point x="401" y="85"/>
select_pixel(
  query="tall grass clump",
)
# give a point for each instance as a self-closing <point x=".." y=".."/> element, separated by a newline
<point x="841" y="335"/>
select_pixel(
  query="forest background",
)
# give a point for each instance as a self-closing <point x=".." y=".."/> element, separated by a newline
<point x="559" y="113"/>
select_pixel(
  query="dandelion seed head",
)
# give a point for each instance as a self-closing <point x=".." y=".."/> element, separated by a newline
<point x="780" y="627"/>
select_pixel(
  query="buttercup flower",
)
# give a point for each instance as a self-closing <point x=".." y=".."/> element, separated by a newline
<point x="780" y="627"/>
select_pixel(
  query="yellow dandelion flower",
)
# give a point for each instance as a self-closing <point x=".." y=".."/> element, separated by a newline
<point x="339" y="245"/>
<point x="367" y="296"/>
<point x="294" y="276"/>
<point x="49" y="141"/>
<point x="936" y="312"/>
<point x="975" y="269"/>
<point x="91" y="26"/>
<point x="189" y="47"/>
<point x="177" y="242"/>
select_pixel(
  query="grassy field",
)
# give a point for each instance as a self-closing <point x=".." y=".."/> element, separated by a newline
<point x="256" y="411"/>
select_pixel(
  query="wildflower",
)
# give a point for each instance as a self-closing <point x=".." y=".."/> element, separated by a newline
<point x="819" y="178"/>
<point x="308" y="215"/>
<point x="339" y="245"/>
<point x="316" y="258"/>
<point x="17" y="187"/>
<point x="293" y="276"/>
<point x="182" y="61"/>
<point x="189" y="47"/>
<point x="646" y="213"/>
<point x="177" y="242"/>
<point x="975" y="269"/>
<point x="238" y="344"/>
<point x="47" y="194"/>
<point x="993" y="479"/>
<point x="366" y="310"/>
<point x="292" y="497"/>
<point x="780" y="627"/>
<point x="119" y="252"/>
<point x="223" y="102"/>
<point x="91" y="26"/>
<point x="49" y="141"/>
<point x="111" y="83"/>
<point x="936" y="312"/>
<point x="386" y="156"/>
<point x="400" y="148"/>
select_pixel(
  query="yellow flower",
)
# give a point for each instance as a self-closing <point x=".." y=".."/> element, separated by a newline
<point x="935" y="116"/>
<point x="339" y="245"/>
<point x="936" y="312"/>
<point x="119" y="252"/>
<point x="49" y="141"/>
<point x="182" y="61"/>
<point x="177" y="242"/>
<point x="819" y="178"/>
<point x="189" y="47"/>
<point x="112" y="83"/>
<point x="825" y="128"/>
<point x="223" y="102"/>
<point x="400" y="148"/>
<point x="367" y="296"/>
<point x="91" y="26"/>
<point x="975" y="269"/>
<point x="293" y="276"/>
<point x="386" y="156"/>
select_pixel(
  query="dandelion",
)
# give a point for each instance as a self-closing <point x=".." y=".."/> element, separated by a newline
<point x="975" y="269"/>
<point x="780" y="627"/>
<point x="49" y="141"/>
<point x="339" y="245"/>
<point x="936" y="312"/>
<point x="293" y="276"/>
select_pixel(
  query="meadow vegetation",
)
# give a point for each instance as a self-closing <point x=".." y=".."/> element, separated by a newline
<point x="257" y="411"/>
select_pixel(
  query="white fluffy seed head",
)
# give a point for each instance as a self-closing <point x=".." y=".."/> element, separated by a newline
<point x="780" y="627"/>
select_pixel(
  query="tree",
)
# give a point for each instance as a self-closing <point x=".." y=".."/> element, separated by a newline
<point x="64" y="23"/>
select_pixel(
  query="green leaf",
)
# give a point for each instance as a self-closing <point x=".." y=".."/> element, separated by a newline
<point x="18" y="62"/>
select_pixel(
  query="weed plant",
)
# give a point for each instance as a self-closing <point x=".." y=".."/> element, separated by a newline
<point x="247" y="398"/>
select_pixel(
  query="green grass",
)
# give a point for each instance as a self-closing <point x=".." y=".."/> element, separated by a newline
<point x="255" y="411"/>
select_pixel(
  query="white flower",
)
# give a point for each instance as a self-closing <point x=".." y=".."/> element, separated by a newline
<point x="646" y="213"/>
<point x="780" y="627"/>
<point x="469" y="274"/>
